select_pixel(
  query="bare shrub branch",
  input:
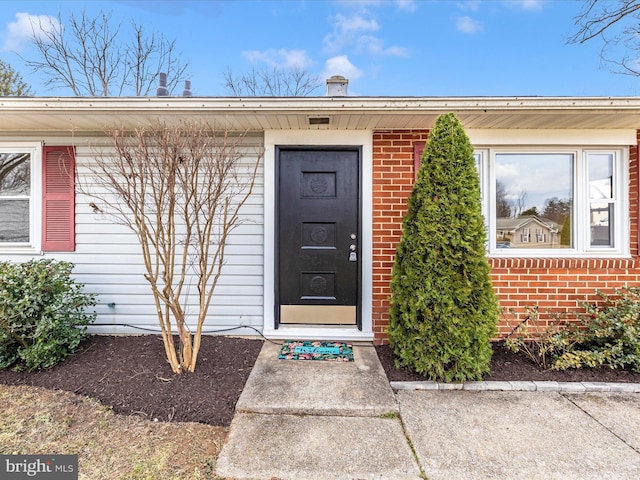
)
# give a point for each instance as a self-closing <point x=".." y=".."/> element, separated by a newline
<point x="180" y="189"/>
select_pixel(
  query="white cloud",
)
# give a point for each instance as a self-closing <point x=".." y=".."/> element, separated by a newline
<point x="356" y="31"/>
<point x="533" y="5"/>
<point x="20" y="32"/>
<point x="468" y="25"/>
<point x="356" y="24"/>
<point x="361" y="4"/>
<point x="473" y="5"/>
<point x="407" y="5"/>
<point x="346" y="30"/>
<point x="395" y="51"/>
<point x="340" y="65"/>
<point x="375" y="46"/>
<point x="280" y="58"/>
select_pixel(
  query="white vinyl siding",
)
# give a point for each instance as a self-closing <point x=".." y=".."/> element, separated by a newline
<point x="108" y="260"/>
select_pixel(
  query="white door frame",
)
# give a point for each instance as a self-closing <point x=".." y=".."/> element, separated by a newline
<point x="363" y="139"/>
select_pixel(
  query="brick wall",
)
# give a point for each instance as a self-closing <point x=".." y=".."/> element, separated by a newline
<point x="393" y="173"/>
<point x="558" y="284"/>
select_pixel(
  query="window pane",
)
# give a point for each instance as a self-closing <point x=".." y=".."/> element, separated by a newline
<point x="15" y="174"/>
<point x="600" y="176"/>
<point x="14" y="219"/>
<point x="601" y="224"/>
<point x="478" y="158"/>
<point x="534" y="200"/>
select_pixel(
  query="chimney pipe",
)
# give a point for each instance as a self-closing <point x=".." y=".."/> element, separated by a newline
<point x="187" y="88"/>
<point x="337" y="86"/>
<point x="162" y="91"/>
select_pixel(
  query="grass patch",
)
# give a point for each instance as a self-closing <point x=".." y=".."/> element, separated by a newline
<point x="389" y="415"/>
<point x="109" y="446"/>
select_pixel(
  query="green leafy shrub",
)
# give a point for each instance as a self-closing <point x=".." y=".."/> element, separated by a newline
<point x="607" y="334"/>
<point x="443" y="308"/>
<point x="43" y="314"/>
<point x="541" y="341"/>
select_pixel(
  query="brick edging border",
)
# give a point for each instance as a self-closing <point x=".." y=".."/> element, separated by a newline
<point x="523" y="386"/>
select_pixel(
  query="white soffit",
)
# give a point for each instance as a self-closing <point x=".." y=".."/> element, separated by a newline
<point x="57" y="114"/>
<point x="552" y="137"/>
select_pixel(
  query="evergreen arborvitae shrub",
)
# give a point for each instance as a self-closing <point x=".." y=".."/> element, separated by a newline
<point x="444" y="311"/>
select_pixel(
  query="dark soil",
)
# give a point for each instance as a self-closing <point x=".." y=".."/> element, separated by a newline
<point x="130" y="374"/>
<point x="506" y="365"/>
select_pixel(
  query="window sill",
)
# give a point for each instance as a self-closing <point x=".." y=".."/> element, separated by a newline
<point x="14" y="250"/>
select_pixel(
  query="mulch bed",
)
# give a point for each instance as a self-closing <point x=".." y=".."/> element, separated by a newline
<point x="130" y="374"/>
<point x="506" y="365"/>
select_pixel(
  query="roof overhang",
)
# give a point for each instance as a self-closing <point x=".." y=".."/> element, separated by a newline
<point x="95" y="114"/>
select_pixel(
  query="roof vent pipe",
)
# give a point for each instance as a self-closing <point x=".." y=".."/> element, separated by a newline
<point x="162" y="91"/>
<point x="187" y="88"/>
<point x="337" y="86"/>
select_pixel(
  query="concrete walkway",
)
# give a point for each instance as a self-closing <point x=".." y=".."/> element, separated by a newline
<point x="323" y="420"/>
<point x="317" y="420"/>
<point x="524" y="435"/>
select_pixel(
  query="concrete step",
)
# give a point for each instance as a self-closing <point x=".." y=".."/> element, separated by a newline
<point x="311" y="387"/>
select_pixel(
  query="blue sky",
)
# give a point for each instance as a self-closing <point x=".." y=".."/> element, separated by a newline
<point x="384" y="47"/>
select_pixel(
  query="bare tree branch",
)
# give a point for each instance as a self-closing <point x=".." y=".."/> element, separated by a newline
<point x="617" y="24"/>
<point x="180" y="189"/>
<point x="593" y="21"/>
<point x="89" y="56"/>
<point x="274" y="82"/>
<point x="147" y="56"/>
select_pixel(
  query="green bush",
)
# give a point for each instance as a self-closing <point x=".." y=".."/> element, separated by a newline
<point x="443" y="308"/>
<point x="540" y="340"/>
<point x="43" y="314"/>
<point x="607" y="334"/>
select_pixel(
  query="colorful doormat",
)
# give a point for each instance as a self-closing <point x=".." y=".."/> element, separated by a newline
<point x="328" y="351"/>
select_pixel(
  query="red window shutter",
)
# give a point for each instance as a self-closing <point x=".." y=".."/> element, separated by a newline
<point x="418" y="148"/>
<point x="58" y="199"/>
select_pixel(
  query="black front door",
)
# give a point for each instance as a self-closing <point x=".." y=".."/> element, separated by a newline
<point x="318" y="229"/>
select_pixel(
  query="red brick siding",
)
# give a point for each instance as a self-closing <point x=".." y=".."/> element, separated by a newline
<point x="556" y="284"/>
<point x="393" y="173"/>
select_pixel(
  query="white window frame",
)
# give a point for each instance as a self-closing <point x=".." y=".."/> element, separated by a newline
<point x="35" y="198"/>
<point x="581" y="212"/>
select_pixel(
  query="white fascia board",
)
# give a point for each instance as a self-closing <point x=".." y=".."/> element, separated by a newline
<point x="489" y="137"/>
<point x="226" y="104"/>
<point x="364" y="139"/>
